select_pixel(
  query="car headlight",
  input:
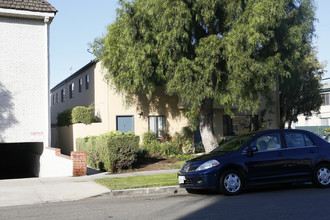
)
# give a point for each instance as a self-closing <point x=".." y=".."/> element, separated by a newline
<point x="207" y="165"/>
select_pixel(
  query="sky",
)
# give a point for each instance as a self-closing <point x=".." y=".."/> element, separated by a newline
<point x="79" y="22"/>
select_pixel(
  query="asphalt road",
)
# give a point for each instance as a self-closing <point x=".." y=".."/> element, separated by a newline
<point x="293" y="202"/>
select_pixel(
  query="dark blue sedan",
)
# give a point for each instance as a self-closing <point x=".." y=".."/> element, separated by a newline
<point x="266" y="157"/>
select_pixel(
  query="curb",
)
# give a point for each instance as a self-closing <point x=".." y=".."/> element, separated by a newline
<point x="170" y="190"/>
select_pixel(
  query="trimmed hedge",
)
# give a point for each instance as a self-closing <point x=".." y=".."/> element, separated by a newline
<point x="78" y="114"/>
<point x="81" y="114"/>
<point x="113" y="151"/>
<point x="64" y="118"/>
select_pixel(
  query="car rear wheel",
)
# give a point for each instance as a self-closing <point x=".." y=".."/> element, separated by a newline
<point x="322" y="176"/>
<point x="231" y="183"/>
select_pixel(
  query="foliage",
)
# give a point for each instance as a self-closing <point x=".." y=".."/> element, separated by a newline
<point x="133" y="182"/>
<point x="150" y="143"/>
<point x="199" y="148"/>
<point x="113" y="151"/>
<point x="164" y="135"/>
<point x="82" y="114"/>
<point x="64" y="118"/>
<point x="177" y="165"/>
<point x="204" y="51"/>
<point x="326" y="131"/>
<point x="183" y="156"/>
<point x="300" y="93"/>
<point x="222" y="140"/>
<point x="185" y="140"/>
<point x="78" y="114"/>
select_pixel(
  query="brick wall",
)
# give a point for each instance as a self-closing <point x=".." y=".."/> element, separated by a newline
<point x="79" y="163"/>
<point x="53" y="163"/>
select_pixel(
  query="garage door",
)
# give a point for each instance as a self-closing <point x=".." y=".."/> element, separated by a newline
<point x="125" y="123"/>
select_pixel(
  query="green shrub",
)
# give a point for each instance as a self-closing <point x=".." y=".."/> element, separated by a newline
<point x="222" y="140"/>
<point x="78" y="114"/>
<point x="148" y="137"/>
<point x="326" y="131"/>
<point x="113" y="151"/>
<point x="64" y="118"/>
<point x="185" y="140"/>
<point x="81" y="114"/>
<point x="150" y="144"/>
<point x="88" y="144"/>
<point x="168" y="148"/>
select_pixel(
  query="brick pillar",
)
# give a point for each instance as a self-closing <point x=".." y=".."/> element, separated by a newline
<point x="79" y="159"/>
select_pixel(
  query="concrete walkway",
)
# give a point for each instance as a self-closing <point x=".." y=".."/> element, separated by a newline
<point x="42" y="190"/>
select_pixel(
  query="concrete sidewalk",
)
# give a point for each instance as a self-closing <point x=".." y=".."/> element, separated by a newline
<point x="42" y="190"/>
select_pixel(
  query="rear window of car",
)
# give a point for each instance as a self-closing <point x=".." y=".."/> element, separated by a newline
<point x="297" y="139"/>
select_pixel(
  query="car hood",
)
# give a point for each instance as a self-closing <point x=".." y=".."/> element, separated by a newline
<point x="209" y="156"/>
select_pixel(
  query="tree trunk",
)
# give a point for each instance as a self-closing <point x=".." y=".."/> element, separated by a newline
<point x="206" y="126"/>
<point x="282" y="113"/>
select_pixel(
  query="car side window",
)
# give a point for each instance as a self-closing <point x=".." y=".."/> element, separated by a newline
<point x="308" y="141"/>
<point x="297" y="139"/>
<point x="268" y="142"/>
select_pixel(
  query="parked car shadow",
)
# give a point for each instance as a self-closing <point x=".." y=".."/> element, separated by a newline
<point x="296" y="201"/>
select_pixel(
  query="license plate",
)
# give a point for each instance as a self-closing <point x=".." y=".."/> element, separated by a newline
<point x="181" y="179"/>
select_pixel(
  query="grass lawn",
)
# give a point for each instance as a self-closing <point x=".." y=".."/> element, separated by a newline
<point x="176" y="165"/>
<point x="139" y="181"/>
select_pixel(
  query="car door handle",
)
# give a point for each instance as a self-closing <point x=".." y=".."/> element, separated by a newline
<point x="280" y="154"/>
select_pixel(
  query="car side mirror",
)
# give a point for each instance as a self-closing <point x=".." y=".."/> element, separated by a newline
<point x="251" y="150"/>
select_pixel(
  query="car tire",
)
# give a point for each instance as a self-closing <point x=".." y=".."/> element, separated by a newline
<point x="231" y="183"/>
<point x="322" y="176"/>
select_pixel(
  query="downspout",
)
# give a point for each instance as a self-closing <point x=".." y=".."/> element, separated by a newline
<point x="47" y="135"/>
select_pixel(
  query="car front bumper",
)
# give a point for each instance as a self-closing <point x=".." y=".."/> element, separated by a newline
<point x="199" y="180"/>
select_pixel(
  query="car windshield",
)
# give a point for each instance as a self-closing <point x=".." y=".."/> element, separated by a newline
<point x="235" y="143"/>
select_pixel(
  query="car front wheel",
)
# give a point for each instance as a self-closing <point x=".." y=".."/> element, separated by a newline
<point x="231" y="183"/>
<point x="322" y="176"/>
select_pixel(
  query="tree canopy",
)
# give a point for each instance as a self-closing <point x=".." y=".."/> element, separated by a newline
<point x="300" y="93"/>
<point x="224" y="52"/>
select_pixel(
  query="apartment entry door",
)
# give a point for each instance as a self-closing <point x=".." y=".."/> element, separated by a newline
<point x="125" y="123"/>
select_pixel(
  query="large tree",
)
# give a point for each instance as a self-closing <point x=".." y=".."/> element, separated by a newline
<point x="300" y="91"/>
<point x="223" y="52"/>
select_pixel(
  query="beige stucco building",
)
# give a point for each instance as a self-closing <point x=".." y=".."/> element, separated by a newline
<point x="137" y="113"/>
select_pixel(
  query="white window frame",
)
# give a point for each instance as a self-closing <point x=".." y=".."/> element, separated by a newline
<point x="156" y="123"/>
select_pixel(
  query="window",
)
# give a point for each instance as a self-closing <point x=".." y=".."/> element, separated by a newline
<point x="326" y="99"/>
<point x="235" y="128"/>
<point x="297" y="139"/>
<point x="71" y="89"/>
<point x="56" y="97"/>
<point x="227" y="126"/>
<point x="54" y="100"/>
<point x="87" y="81"/>
<point x="268" y="142"/>
<point x="125" y="123"/>
<point x="80" y="84"/>
<point x="62" y="95"/>
<point x="157" y="124"/>
<point x="324" y="121"/>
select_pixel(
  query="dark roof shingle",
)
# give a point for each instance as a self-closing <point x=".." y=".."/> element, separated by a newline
<point x="28" y="5"/>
